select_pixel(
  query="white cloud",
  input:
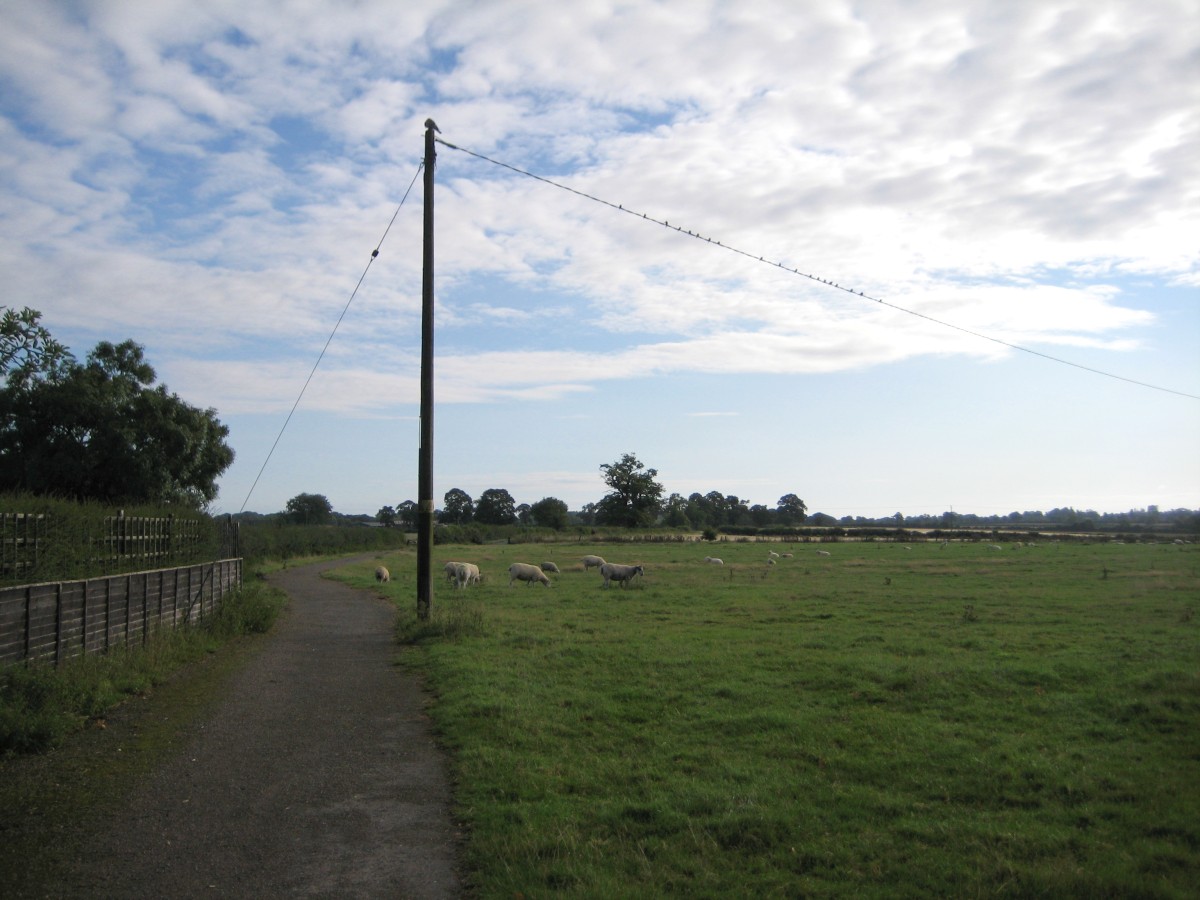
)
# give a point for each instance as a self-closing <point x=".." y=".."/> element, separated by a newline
<point x="210" y="179"/>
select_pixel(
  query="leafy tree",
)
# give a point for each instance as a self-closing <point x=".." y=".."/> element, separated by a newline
<point x="27" y="351"/>
<point x="737" y="512"/>
<point x="457" y="507"/>
<point x="675" y="513"/>
<point x="100" y="430"/>
<point x="496" y="507"/>
<point x="718" y="507"/>
<point x="550" y="512"/>
<point x="699" y="511"/>
<point x="791" y="510"/>
<point x="386" y="516"/>
<point x="406" y="514"/>
<point x="635" y="498"/>
<point x="310" y="509"/>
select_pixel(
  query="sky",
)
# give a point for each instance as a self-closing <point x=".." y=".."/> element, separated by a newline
<point x="1007" y="196"/>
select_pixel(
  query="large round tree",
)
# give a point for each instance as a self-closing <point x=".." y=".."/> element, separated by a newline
<point x="102" y="430"/>
<point x="636" y="497"/>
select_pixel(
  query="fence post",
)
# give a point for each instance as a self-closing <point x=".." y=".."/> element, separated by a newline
<point x="145" y="608"/>
<point x="58" y="624"/>
<point x="28" y="619"/>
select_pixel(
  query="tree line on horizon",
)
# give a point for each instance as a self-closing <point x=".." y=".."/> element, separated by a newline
<point x="635" y="500"/>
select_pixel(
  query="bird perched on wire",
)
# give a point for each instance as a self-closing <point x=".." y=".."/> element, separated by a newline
<point x="429" y="123"/>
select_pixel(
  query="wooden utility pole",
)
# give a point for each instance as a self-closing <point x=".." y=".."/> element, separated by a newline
<point x="425" y="452"/>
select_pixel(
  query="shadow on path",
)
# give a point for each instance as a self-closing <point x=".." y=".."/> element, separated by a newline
<point x="316" y="776"/>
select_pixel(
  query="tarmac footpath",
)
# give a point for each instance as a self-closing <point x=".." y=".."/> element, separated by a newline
<point x="317" y="775"/>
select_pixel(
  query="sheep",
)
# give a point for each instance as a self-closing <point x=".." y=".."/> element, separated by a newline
<point x="714" y="560"/>
<point x="995" y="547"/>
<point x="382" y="574"/>
<point x="451" y="570"/>
<point x="589" y="561"/>
<point x="549" y="567"/>
<point x="787" y="556"/>
<point x="465" y="574"/>
<point x="772" y="554"/>
<point x="822" y="553"/>
<point x="620" y="574"/>
<point x="770" y="561"/>
<point x="527" y="573"/>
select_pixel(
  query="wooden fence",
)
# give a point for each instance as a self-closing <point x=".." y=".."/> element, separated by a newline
<point x="57" y="621"/>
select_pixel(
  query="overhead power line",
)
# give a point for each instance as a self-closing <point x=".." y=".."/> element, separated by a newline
<point x="321" y="355"/>
<point x="619" y="207"/>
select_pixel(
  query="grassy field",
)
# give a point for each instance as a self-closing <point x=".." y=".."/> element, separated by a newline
<point x="888" y="721"/>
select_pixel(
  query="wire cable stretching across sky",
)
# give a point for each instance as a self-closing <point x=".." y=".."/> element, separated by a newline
<point x="321" y="356"/>
<point x="828" y="283"/>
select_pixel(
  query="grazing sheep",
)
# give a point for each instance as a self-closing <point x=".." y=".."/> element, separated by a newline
<point x="770" y="561"/>
<point x="527" y="573"/>
<point x="822" y="553"/>
<point x="772" y="554"/>
<point x="465" y="574"/>
<point x="620" y="574"/>
<point x="549" y="567"/>
<point x="451" y="570"/>
<point x="714" y="560"/>
<point x="589" y="561"/>
<point x="787" y="556"/>
<point x="382" y="574"/>
<point x="995" y="547"/>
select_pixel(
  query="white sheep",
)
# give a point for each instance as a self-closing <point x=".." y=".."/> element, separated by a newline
<point x="620" y="574"/>
<point x="714" y="560"/>
<point x="822" y="553"/>
<point x="787" y="556"/>
<point x="527" y="573"/>
<point x="549" y="567"/>
<point x="451" y="570"/>
<point x="995" y="547"/>
<point x="590" y="561"/>
<point x="382" y="574"/>
<point x="772" y="554"/>
<point x="465" y="574"/>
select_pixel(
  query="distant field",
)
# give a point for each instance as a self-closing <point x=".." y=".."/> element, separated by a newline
<point x="883" y="721"/>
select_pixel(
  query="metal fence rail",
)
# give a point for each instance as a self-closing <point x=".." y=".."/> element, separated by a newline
<point x="61" y="620"/>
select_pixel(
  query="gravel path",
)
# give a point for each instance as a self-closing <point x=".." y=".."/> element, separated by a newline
<point x="317" y="776"/>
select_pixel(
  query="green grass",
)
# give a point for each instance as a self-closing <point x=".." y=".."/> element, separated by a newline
<point x="882" y="722"/>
